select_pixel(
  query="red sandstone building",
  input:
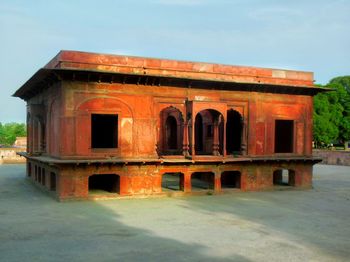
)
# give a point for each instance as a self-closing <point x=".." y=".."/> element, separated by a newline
<point x="108" y="125"/>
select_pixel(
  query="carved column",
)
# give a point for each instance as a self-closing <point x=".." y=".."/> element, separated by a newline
<point x="224" y="138"/>
<point x="244" y="138"/>
<point x="216" y="138"/>
<point x="29" y="133"/>
<point x="185" y="146"/>
<point x="193" y="150"/>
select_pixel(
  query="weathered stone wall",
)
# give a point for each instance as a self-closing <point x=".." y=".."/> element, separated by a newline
<point x="143" y="180"/>
<point x="333" y="157"/>
<point x="9" y="156"/>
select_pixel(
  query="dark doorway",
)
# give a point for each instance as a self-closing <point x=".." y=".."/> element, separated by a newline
<point x="29" y="169"/>
<point x="209" y="132"/>
<point x="104" y="131"/>
<point x="52" y="181"/>
<point x="171" y="132"/>
<point x="284" y="136"/>
<point x="202" y="181"/>
<point x="43" y="177"/>
<point x="198" y="129"/>
<point x="173" y="182"/>
<point x="106" y="182"/>
<point x="233" y="132"/>
<point x="231" y="179"/>
<point x="284" y="177"/>
<point x="39" y="174"/>
<point x="42" y="137"/>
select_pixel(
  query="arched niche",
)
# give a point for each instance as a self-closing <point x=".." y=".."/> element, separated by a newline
<point x="209" y="132"/>
<point x="171" y="131"/>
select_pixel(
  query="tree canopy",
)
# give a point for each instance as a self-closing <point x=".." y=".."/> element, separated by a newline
<point x="332" y="113"/>
<point x="9" y="132"/>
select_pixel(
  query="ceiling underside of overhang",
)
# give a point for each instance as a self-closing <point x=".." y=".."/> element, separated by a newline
<point x="45" y="78"/>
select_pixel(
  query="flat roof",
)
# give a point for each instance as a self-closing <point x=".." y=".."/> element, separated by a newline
<point x="196" y="74"/>
<point x="180" y="69"/>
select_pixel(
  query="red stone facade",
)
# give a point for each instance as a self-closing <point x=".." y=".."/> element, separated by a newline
<point x="116" y="126"/>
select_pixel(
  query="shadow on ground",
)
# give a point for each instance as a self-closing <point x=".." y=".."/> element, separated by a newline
<point x="310" y="225"/>
<point x="34" y="227"/>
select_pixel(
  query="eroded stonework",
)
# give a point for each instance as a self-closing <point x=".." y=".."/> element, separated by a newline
<point x="116" y="126"/>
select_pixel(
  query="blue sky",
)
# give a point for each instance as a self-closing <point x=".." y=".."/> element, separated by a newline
<point x="310" y="35"/>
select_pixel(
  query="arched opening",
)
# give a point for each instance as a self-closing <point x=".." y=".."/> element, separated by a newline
<point x="105" y="183"/>
<point x="36" y="137"/>
<point x="234" y="128"/>
<point x="202" y="181"/>
<point x="208" y="132"/>
<point x="198" y="129"/>
<point x="39" y="135"/>
<point x="284" y="177"/>
<point x="52" y="181"/>
<point x="171" y="132"/>
<point x="172" y="182"/>
<point x="230" y="179"/>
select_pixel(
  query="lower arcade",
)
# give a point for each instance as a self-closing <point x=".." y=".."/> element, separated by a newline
<point x="166" y="178"/>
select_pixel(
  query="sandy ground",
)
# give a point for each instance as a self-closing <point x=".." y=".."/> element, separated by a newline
<point x="311" y="225"/>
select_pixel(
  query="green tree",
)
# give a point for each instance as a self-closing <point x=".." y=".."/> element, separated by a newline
<point x="326" y="119"/>
<point x="343" y="85"/>
<point x="332" y="113"/>
<point x="9" y="132"/>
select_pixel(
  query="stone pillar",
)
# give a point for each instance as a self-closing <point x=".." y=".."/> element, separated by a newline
<point x="187" y="182"/>
<point x="193" y="150"/>
<point x="216" y="139"/>
<point x="72" y="186"/>
<point x="35" y="136"/>
<point x="224" y="140"/>
<point x="124" y="185"/>
<point x="302" y="175"/>
<point x="244" y="138"/>
<point x="217" y="181"/>
<point x="29" y="133"/>
<point x="185" y="146"/>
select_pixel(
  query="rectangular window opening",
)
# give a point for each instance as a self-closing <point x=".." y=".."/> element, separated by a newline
<point x="104" y="131"/>
<point x="52" y="181"/>
<point x="103" y="183"/>
<point x="284" y="136"/>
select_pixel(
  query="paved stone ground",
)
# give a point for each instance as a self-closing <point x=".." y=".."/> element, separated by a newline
<point x="312" y="225"/>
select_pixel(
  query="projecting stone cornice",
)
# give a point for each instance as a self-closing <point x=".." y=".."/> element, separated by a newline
<point x="45" y="78"/>
<point x="178" y="69"/>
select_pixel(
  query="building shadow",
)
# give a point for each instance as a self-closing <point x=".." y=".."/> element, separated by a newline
<point x="34" y="226"/>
